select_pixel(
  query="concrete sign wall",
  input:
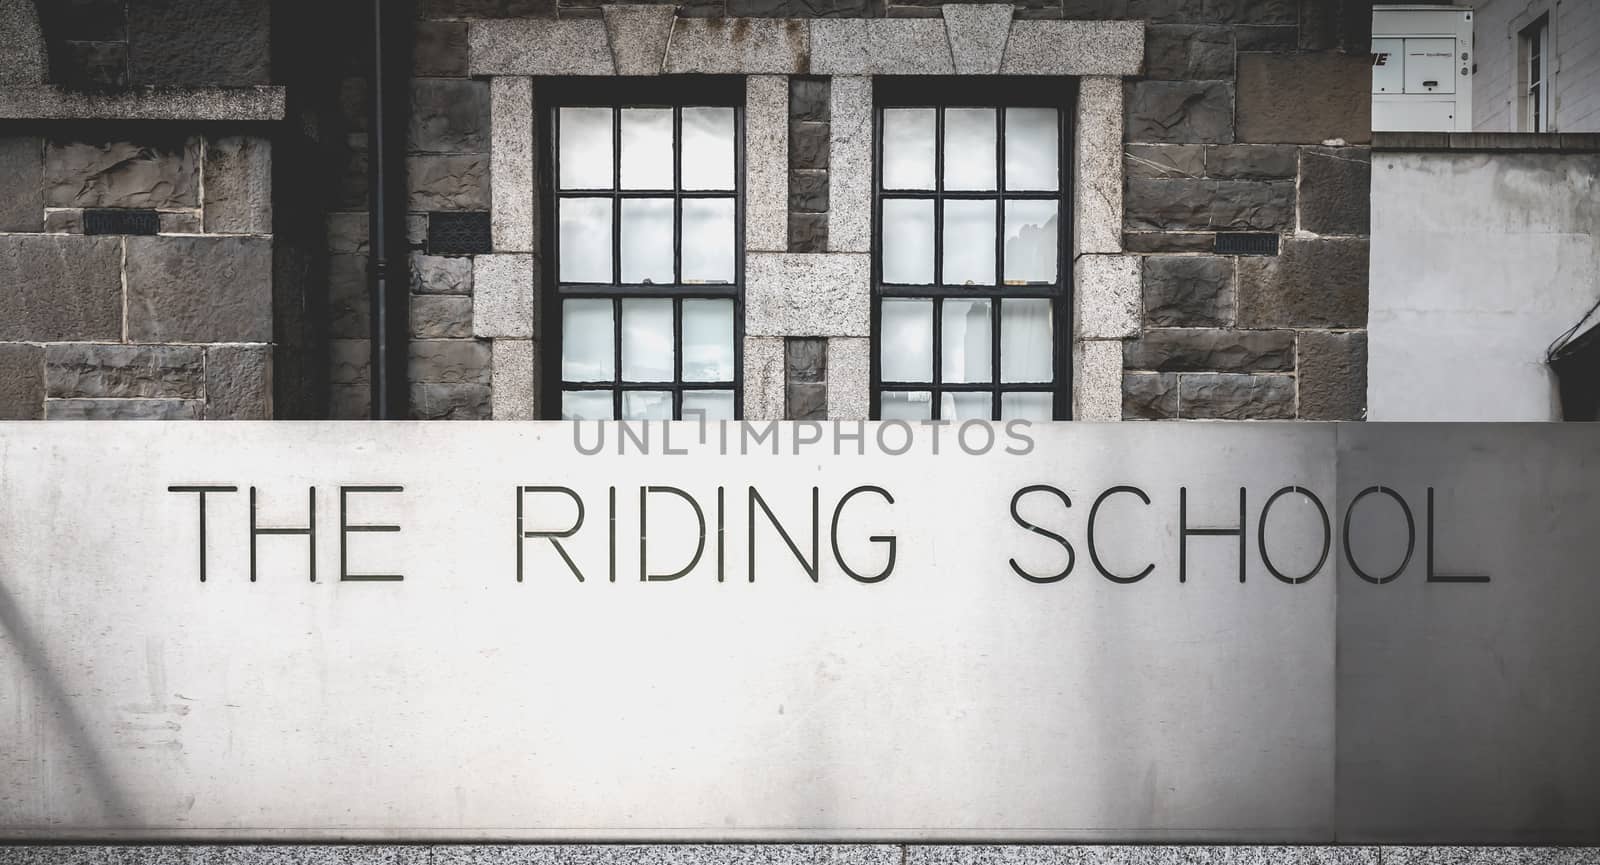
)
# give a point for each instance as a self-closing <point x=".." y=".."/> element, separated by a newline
<point x="1048" y="632"/>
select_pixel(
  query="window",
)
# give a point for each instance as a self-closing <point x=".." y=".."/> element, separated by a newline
<point x="1535" y="52"/>
<point x="969" y="277"/>
<point x="643" y="264"/>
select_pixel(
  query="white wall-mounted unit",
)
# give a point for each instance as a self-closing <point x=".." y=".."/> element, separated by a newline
<point x="1422" y="69"/>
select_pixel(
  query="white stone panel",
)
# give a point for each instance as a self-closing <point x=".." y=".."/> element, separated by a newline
<point x="801" y="294"/>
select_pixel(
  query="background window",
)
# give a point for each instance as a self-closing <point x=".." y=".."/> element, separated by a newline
<point x="1534" y="54"/>
<point x="646" y="273"/>
<point x="969" y="273"/>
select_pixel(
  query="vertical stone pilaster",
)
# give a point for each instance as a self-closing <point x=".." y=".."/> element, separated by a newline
<point x="763" y="378"/>
<point x="850" y="164"/>
<point x="513" y="208"/>
<point x="1097" y="200"/>
<point x="849" y="378"/>
<point x="766" y="220"/>
<point x="513" y="382"/>
<point x="1097" y="380"/>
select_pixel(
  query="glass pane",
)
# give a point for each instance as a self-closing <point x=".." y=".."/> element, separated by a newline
<point x="1031" y="234"/>
<point x="585" y="242"/>
<point x="647" y="148"/>
<point x="905" y="405"/>
<point x="1027" y="406"/>
<point x="708" y="148"/>
<point x="647" y="339"/>
<point x="968" y="242"/>
<point x="969" y="161"/>
<point x="966" y="342"/>
<point x="1025" y="340"/>
<point x="708" y="240"/>
<point x="586" y="405"/>
<point x="908" y="148"/>
<point x="908" y="241"/>
<point x="585" y="148"/>
<point x="707" y="340"/>
<point x="906" y="343"/>
<point x="647" y="405"/>
<point x="966" y="406"/>
<point x="647" y="240"/>
<point x="717" y="404"/>
<point x="588" y="341"/>
<point x="1033" y="161"/>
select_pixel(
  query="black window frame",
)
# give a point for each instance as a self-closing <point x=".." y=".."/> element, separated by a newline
<point x="998" y="92"/>
<point x="676" y="92"/>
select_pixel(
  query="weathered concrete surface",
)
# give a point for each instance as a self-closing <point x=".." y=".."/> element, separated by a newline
<point x="1479" y="261"/>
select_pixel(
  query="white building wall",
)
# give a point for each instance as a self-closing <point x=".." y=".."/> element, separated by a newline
<point x="1479" y="260"/>
<point x="1575" y="34"/>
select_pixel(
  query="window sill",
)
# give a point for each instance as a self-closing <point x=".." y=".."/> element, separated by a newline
<point x="51" y="102"/>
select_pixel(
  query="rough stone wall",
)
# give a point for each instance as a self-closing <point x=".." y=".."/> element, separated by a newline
<point x="173" y="324"/>
<point x="1251" y="117"/>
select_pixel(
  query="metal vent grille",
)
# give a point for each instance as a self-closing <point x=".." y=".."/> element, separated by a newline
<point x="1247" y="244"/>
<point x="121" y="222"/>
<point x="458" y="233"/>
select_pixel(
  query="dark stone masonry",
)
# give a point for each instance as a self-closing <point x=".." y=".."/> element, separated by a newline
<point x="251" y="298"/>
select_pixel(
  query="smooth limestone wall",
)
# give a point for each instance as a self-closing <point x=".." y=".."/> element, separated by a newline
<point x="790" y="854"/>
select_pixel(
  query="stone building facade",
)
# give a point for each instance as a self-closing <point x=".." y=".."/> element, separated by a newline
<point x="1220" y="195"/>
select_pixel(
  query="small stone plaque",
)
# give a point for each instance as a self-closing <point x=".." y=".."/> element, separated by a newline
<point x="108" y="221"/>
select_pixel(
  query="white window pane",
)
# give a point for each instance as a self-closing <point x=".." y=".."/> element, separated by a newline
<point x="908" y="241"/>
<point x="585" y="148"/>
<point x="906" y="343"/>
<point x="588" y="341"/>
<point x="1027" y="406"/>
<point x="1033" y="161"/>
<point x="647" y="148"/>
<point x="969" y="142"/>
<point x="966" y="341"/>
<point x="587" y="405"/>
<point x="1025" y="340"/>
<point x="647" y="339"/>
<point x="647" y="240"/>
<point x="585" y="243"/>
<point x="908" y="148"/>
<point x="647" y="405"/>
<point x="707" y="340"/>
<point x="968" y="242"/>
<point x="708" y="240"/>
<point x="905" y="405"/>
<point x="966" y="406"/>
<point x="717" y="404"/>
<point x="1031" y="234"/>
<point x="708" y="148"/>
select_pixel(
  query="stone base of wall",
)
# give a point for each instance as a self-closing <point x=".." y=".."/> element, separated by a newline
<point x="789" y="854"/>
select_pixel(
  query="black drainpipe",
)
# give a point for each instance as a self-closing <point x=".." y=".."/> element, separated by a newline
<point x="388" y="280"/>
